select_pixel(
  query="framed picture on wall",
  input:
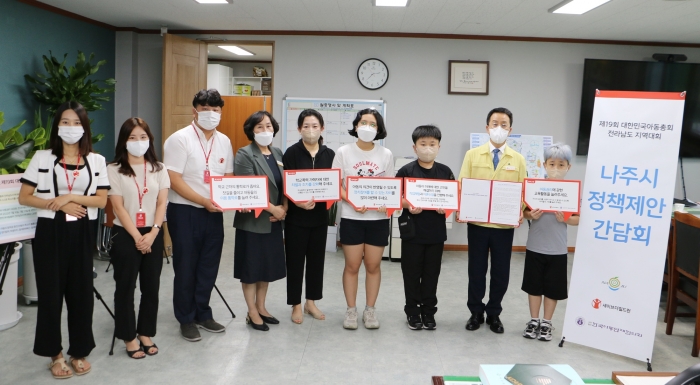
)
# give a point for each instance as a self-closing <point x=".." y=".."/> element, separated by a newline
<point x="468" y="77"/>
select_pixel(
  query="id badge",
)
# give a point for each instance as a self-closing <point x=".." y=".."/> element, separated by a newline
<point x="207" y="176"/>
<point x="140" y="219"/>
<point x="70" y="218"/>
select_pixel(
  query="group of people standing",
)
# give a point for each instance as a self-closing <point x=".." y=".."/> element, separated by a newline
<point x="69" y="182"/>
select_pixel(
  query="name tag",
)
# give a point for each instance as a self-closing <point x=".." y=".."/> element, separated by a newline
<point x="280" y="164"/>
<point x="509" y="168"/>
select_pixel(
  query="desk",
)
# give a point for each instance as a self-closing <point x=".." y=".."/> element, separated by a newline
<point x="440" y="380"/>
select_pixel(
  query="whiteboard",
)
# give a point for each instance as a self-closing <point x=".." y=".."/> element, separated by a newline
<point x="338" y="115"/>
<point x="531" y="147"/>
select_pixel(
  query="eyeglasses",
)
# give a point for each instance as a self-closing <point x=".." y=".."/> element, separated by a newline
<point x="366" y="123"/>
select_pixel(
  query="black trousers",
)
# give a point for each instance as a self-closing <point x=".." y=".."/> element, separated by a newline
<point x="63" y="268"/>
<point x="420" y="265"/>
<point x="198" y="239"/>
<point x="130" y="264"/>
<point x="304" y="244"/>
<point x="499" y="242"/>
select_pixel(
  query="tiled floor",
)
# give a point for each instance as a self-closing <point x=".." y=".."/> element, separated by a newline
<point x="322" y="352"/>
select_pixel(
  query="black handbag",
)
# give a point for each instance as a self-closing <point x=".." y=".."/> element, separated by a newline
<point x="407" y="227"/>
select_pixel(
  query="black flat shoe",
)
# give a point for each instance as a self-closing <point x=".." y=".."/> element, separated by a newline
<point x="147" y="349"/>
<point x="475" y="322"/>
<point x="495" y="324"/>
<point x="270" y="320"/>
<point x="262" y="327"/>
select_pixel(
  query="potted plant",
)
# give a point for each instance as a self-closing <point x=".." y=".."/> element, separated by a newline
<point x="331" y="243"/>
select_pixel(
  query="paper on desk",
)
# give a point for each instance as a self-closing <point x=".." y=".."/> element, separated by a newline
<point x="462" y="383"/>
<point x="644" y="380"/>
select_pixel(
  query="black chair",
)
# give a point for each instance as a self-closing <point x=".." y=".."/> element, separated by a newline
<point x="683" y="285"/>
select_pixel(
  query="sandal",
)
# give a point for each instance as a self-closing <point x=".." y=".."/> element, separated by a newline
<point x="131" y="353"/>
<point x="319" y="316"/>
<point x="297" y="321"/>
<point x="147" y="349"/>
<point x="81" y="366"/>
<point x="64" y="367"/>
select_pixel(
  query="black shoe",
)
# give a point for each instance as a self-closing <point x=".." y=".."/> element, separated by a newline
<point x="211" y="326"/>
<point x="270" y="320"/>
<point x="495" y="324"/>
<point x="262" y="327"/>
<point x="189" y="332"/>
<point x="414" y="322"/>
<point x="475" y="321"/>
<point x="429" y="322"/>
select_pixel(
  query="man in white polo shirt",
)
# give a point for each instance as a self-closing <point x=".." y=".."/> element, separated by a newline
<point x="192" y="156"/>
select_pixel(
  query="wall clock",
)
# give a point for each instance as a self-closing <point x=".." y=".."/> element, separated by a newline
<point x="373" y="74"/>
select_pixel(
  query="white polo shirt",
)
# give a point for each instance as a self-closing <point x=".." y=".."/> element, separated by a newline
<point x="185" y="153"/>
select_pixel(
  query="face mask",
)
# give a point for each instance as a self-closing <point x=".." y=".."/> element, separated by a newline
<point x="310" y="136"/>
<point x="71" y="134"/>
<point x="138" y="147"/>
<point x="264" y="138"/>
<point x="426" y="154"/>
<point x="208" y="120"/>
<point x="366" y="133"/>
<point x="498" y="135"/>
<point x="554" y="173"/>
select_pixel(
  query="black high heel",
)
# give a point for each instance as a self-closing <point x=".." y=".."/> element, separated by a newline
<point x="262" y="327"/>
<point x="147" y="349"/>
<point x="270" y="320"/>
<point x="131" y="353"/>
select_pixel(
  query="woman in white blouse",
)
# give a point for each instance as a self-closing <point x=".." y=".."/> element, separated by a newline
<point x="70" y="182"/>
<point x="139" y="196"/>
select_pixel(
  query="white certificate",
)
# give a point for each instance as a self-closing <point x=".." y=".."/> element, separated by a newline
<point x="321" y="185"/>
<point x="432" y="194"/>
<point x="488" y="201"/>
<point x="553" y="195"/>
<point x="240" y="192"/>
<point x="475" y="200"/>
<point x="374" y="192"/>
<point x="506" y="203"/>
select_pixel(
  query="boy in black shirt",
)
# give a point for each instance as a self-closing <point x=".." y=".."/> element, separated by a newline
<point x="421" y="251"/>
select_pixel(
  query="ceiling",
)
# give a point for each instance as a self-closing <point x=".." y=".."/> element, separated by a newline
<point x="634" y="20"/>
<point x="262" y="53"/>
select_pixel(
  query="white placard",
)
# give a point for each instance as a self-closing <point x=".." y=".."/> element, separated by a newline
<point x="432" y="194"/>
<point x="552" y="195"/>
<point x="321" y="185"/>
<point x="625" y="219"/>
<point x="240" y="192"/>
<point x="17" y="222"/>
<point x="374" y="192"/>
<point x="490" y="201"/>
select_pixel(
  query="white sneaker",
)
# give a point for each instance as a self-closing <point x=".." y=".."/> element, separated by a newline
<point x="545" y="333"/>
<point x="369" y="317"/>
<point x="350" y="321"/>
<point x="532" y="329"/>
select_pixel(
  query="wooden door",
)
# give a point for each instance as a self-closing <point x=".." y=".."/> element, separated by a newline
<point x="184" y="74"/>
<point x="235" y="112"/>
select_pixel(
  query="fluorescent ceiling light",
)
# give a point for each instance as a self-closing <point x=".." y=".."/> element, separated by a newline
<point x="212" y="1"/>
<point x="236" y="50"/>
<point x="390" y="3"/>
<point x="576" y="7"/>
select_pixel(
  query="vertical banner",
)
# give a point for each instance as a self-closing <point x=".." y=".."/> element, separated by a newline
<point x="625" y="219"/>
<point x="17" y="222"/>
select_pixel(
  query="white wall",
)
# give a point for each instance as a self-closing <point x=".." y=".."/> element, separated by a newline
<point x="539" y="82"/>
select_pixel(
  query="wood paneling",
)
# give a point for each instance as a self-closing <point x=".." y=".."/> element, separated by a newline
<point x="184" y="74"/>
<point x="235" y="112"/>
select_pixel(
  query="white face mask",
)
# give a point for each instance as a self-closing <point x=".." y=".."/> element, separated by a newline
<point x="426" y="154"/>
<point x="366" y="133"/>
<point x="208" y="120"/>
<point x="71" y="134"/>
<point x="264" y="138"/>
<point x="310" y="136"/>
<point x="498" y="135"/>
<point x="554" y="173"/>
<point x="138" y="147"/>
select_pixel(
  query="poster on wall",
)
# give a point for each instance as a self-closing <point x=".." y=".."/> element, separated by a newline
<point x="531" y="147"/>
<point x="625" y="219"/>
<point x="17" y="222"/>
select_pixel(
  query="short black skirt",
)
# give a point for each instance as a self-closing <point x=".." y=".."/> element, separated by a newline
<point x="259" y="257"/>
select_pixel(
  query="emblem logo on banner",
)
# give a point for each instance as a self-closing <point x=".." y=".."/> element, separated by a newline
<point x="625" y="218"/>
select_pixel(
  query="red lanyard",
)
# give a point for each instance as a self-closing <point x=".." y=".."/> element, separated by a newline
<point x="206" y="155"/>
<point x="76" y="173"/>
<point x="138" y="189"/>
